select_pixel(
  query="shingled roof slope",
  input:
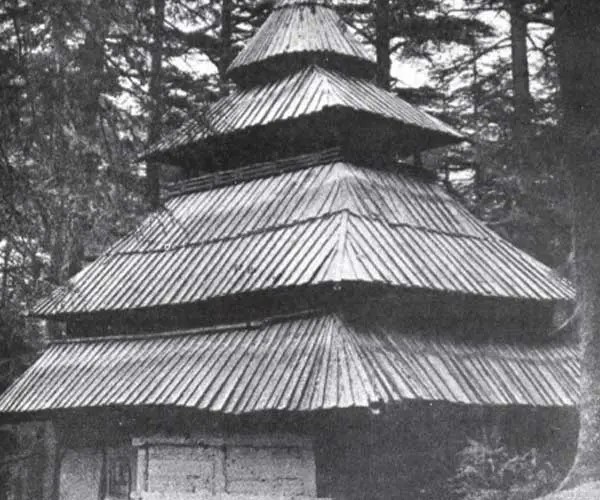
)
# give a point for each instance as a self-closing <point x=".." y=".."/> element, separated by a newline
<point x="330" y="221"/>
<point x="308" y="92"/>
<point x="315" y="362"/>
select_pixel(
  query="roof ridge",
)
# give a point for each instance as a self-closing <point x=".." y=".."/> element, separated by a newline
<point x="340" y="261"/>
<point x="329" y="90"/>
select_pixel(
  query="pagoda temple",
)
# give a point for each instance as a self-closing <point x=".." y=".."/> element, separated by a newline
<point x="307" y="316"/>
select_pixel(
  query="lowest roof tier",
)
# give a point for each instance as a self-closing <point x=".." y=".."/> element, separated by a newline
<point x="315" y="361"/>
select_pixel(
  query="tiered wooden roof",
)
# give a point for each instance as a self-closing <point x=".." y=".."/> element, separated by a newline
<point x="314" y="361"/>
<point x="307" y="221"/>
<point x="277" y="232"/>
<point x="309" y="92"/>
<point x="304" y="63"/>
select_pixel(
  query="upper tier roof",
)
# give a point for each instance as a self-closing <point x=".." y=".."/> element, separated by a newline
<point x="308" y="221"/>
<point x="309" y="92"/>
<point x="317" y="361"/>
<point x="297" y="32"/>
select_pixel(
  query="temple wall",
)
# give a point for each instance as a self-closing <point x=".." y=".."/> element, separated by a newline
<point x="236" y="467"/>
<point x="250" y="466"/>
<point x="396" y="453"/>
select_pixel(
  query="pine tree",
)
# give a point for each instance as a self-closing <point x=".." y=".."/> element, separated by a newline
<point x="413" y="29"/>
<point x="518" y="177"/>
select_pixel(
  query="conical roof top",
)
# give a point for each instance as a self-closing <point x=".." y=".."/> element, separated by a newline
<point x="297" y="32"/>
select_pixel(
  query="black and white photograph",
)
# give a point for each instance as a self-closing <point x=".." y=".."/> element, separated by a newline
<point x="299" y="249"/>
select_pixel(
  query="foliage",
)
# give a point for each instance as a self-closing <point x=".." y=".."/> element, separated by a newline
<point x="488" y="470"/>
<point x="75" y="110"/>
<point x="74" y="113"/>
<point x="514" y="172"/>
<point x="416" y="30"/>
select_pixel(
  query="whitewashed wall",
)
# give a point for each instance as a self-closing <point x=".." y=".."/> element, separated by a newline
<point x="244" y="467"/>
<point x="241" y="467"/>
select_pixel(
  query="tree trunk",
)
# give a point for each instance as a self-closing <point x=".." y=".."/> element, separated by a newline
<point x="577" y="38"/>
<point x="155" y="94"/>
<point x="93" y="66"/>
<point x="382" y="42"/>
<point x="226" y="38"/>
<point x="5" y="272"/>
<point x="520" y="71"/>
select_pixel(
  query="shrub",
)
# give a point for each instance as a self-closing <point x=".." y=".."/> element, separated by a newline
<point x="488" y="470"/>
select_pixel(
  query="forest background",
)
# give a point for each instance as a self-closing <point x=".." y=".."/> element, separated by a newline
<point x="86" y="85"/>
